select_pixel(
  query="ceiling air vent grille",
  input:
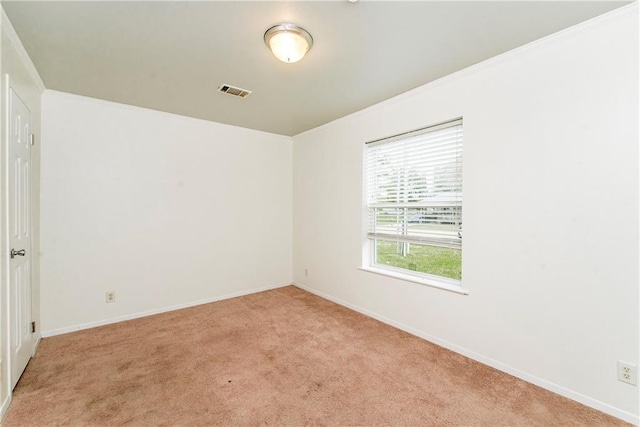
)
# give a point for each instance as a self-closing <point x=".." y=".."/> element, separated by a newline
<point x="234" y="91"/>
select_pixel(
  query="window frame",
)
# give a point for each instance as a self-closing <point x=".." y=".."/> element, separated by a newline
<point x="369" y="263"/>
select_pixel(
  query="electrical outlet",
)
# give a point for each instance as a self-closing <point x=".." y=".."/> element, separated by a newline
<point x="111" y="296"/>
<point x="306" y="272"/>
<point x="627" y="373"/>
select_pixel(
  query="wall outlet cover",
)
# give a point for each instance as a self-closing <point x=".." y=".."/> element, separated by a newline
<point x="627" y="373"/>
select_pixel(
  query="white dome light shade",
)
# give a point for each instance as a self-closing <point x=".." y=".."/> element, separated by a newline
<point x="288" y="47"/>
<point x="288" y="42"/>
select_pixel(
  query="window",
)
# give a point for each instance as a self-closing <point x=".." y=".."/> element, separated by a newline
<point x="414" y="202"/>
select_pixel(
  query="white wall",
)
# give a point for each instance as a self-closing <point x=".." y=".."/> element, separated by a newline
<point x="550" y="212"/>
<point x="25" y="81"/>
<point x="163" y="209"/>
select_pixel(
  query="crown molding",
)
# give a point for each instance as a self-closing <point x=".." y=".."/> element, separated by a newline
<point x="7" y="27"/>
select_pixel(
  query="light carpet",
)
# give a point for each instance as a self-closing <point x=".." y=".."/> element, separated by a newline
<point x="281" y="357"/>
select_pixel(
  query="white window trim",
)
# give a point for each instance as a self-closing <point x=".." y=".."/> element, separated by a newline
<point x="438" y="282"/>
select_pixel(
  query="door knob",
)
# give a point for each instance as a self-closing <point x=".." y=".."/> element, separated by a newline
<point x="15" y="253"/>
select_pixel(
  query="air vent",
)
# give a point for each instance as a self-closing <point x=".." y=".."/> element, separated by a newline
<point x="235" y="91"/>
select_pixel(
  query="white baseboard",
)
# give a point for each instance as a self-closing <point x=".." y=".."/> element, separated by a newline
<point x="37" y="337"/>
<point x="89" y="325"/>
<point x="5" y="406"/>
<point x="558" y="389"/>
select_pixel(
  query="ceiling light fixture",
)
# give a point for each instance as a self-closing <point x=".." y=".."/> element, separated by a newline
<point x="288" y="42"/>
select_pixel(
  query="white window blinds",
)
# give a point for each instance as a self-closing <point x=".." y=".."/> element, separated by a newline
<point x="414" y="186"/>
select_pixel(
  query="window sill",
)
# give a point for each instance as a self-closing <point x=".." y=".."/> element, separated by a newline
<point x="415" y="279"/>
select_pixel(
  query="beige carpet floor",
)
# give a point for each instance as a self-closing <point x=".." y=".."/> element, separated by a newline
<point x="282" y="357"/>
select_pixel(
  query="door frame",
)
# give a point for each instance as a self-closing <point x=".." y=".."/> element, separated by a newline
<point x="5" y="316"/>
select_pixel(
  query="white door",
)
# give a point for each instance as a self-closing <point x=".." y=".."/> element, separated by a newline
<point x="19" y="235"/>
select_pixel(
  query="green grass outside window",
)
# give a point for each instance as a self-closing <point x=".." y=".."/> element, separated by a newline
<point x="445" y="262"/>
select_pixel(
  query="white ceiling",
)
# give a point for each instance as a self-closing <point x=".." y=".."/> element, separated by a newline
<point x="171" y="56"/>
